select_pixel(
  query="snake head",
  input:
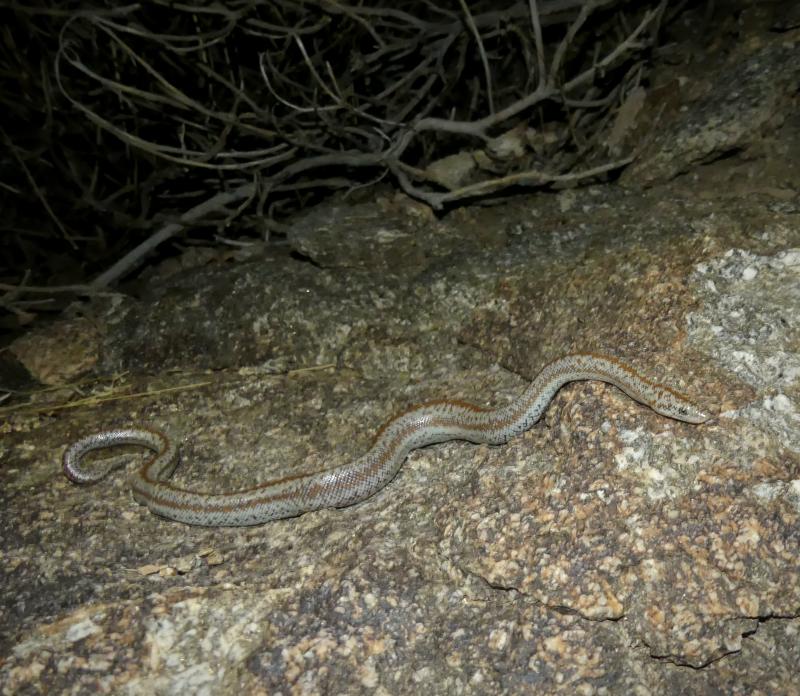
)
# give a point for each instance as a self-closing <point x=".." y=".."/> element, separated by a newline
<point x="672" y="404"/>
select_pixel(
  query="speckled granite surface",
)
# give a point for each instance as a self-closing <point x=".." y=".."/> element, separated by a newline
<point x="607" y="550"/>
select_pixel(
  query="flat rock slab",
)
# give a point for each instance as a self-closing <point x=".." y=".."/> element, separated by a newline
<point x="606" y="550"/>
<point x="606" y="546"/>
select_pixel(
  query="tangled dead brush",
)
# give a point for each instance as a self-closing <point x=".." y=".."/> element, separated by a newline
<point x="130" y="118"/>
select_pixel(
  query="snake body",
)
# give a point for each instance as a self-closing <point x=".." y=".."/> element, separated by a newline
<point x="426" y="424"/>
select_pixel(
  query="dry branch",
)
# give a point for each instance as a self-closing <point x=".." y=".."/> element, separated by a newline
<point x="222" y="112"/>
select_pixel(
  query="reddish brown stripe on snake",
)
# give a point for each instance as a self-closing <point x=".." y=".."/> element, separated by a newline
<point x="428" y="423"/>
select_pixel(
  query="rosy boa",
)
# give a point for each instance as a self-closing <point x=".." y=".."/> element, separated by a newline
<point x="426" y="424"/>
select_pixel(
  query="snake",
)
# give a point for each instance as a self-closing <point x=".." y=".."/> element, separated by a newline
<point x="428" y="423"/>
